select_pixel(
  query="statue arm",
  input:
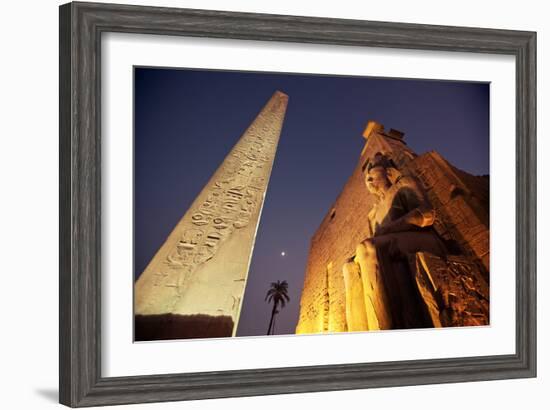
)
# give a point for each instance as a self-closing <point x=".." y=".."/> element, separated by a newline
<point x="370" y="218"/>
<point x="418" y="217"/>
<point x="421" y="215"/>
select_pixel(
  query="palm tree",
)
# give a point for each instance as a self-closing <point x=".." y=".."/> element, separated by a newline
<point x="278" y="294"/>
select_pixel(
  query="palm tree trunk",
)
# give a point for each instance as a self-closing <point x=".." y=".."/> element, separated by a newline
<point x="272" y="316"/>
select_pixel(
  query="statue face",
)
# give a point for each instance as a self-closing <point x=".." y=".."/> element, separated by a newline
<point x="377" y="180"/>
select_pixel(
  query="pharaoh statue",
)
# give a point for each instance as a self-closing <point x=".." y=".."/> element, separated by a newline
<point x="400" y="224"/>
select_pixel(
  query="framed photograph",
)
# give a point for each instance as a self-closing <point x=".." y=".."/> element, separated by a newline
<point x="259" y="204"/>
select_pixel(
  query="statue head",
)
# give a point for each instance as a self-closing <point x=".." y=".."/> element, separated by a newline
<point x="377" y="178"/>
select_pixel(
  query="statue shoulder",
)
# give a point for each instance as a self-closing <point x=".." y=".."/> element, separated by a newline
<point x="411" y="191"/>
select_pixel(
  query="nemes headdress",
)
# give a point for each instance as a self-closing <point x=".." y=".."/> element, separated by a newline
<point x="381" y="160"/>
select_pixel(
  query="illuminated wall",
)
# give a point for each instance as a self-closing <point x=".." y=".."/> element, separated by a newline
<point x="461" y="202"/>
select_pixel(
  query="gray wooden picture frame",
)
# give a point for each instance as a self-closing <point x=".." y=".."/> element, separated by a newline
<point x="81" y="26"/>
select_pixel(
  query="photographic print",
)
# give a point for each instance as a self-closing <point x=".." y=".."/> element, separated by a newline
<point x="283" y="203"/>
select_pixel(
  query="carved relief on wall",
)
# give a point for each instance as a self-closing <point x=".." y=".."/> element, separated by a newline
<point x="454" y="289"/>
<point x="228" y="204"/>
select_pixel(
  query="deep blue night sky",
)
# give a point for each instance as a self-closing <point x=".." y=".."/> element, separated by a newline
<point x="186" y="121"/>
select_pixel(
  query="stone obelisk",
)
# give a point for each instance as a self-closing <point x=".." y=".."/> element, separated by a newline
<point x="194" y="285"/>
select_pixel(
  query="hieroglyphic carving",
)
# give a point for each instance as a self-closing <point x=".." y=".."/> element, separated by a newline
<point x="457" y="292"/>
<point x="229" y="203"/>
